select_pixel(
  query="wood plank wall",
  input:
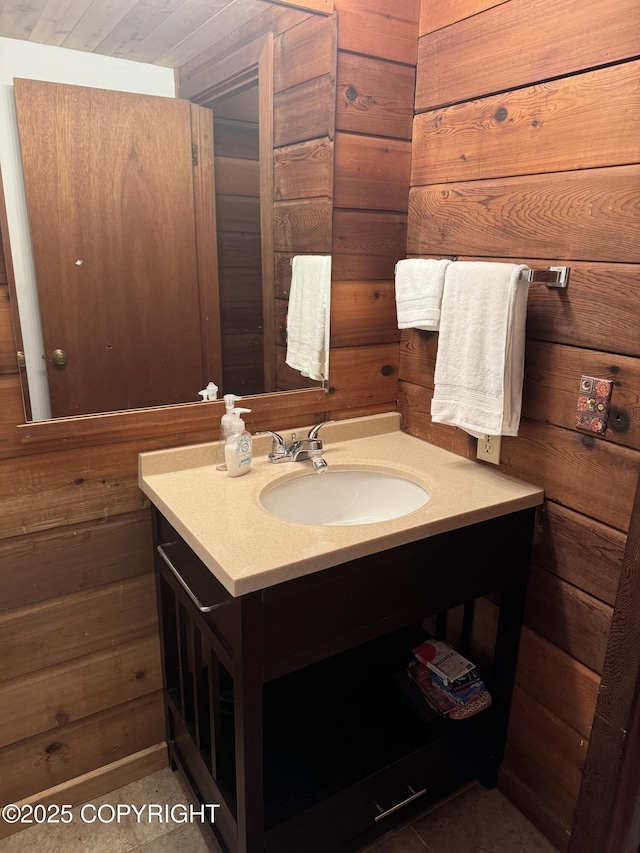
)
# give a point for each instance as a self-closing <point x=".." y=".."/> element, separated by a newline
<point x="525" y="149"/>
<point x="303" y="155"/>
<point x="237" y="178"/>
<point x="80" y="688"/>
<point x="375" y="86"/>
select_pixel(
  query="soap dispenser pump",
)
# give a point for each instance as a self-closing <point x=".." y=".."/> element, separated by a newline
<point x="237" y="448"/>
<point x="225" y="429"/>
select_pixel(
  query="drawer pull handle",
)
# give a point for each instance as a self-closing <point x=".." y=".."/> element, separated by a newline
<point x="413" y="796"/>
<point x="203" y="608"/>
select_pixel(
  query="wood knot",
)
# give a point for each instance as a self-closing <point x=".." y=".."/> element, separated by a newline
<point x="588" y="441"/>
<point x="619" y="420"/>
<point x="387" y="370"/>
<point x="500" y="114"/>
<point x="140" y="674"/>
<point x="54" y="748"/>
<point x="351" y="93"/>
<point x="79" y="481"/>
<point x="62" y="717"/>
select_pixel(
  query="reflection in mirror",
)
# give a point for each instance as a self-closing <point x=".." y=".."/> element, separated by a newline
<point x="237" y="178"/>
<point x="308" y="317"/>
<point x="114" y="205"/>
<point x="131" y="263"/>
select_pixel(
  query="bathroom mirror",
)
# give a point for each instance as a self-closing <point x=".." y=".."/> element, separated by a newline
<point x="226" y="326"/>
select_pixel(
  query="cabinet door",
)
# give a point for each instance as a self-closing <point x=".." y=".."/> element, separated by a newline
<point x="110" y="192"/>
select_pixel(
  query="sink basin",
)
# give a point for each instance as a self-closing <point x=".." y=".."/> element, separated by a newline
<point x="339" y="498"/>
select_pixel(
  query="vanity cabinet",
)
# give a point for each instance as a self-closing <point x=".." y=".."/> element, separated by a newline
<point x="288" y="706"/>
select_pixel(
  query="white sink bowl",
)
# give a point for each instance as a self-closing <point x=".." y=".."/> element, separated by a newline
<point x="339" y="498"/>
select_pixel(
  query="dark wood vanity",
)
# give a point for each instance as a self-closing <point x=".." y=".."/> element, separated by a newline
<point x="288" y="707"/>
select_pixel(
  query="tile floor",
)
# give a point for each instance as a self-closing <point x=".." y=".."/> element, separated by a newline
<point x="473" y="821"/>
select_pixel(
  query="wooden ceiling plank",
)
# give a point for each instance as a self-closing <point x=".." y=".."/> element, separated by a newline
<point x="96" y="23"/>
<point x="194" y="74"/>
<point x="58" y="19"/>
<point x="17" y="19"/>
<point x="143" y="19"/>
<point x="324" y="6"/>
<point x="174" y="29"/>
<point x="234" y="16"/>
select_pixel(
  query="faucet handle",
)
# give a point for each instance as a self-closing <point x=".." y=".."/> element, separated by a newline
<point x="278" y="448"/>
<point x="313" y="432"/>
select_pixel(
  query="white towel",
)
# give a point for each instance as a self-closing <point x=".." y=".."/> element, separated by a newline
<point x="419" y="283"/>
<point x="308" y="316"/>
<point x="480" y="358"/>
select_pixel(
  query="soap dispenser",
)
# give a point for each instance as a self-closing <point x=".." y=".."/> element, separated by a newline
<point x="225" y="429"/>
<point x="210" y="392"/>
<point x="237" y="448"/>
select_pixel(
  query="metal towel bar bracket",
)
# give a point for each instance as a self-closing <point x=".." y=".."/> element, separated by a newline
<point x="552" y="276"/>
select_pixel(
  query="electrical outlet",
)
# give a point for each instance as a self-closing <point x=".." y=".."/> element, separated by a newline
<point x="489" y="448"/>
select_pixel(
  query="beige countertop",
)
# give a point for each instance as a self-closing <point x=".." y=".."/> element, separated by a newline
<point x="247" y="548"/>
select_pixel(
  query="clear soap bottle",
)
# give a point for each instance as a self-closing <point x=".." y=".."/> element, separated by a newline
<point x="237" y="448"/>
<point x="225" y="429"/>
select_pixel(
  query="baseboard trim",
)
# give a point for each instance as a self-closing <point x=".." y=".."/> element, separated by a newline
<point x="97" y="782"/>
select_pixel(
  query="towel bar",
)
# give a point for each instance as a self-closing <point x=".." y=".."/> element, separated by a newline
<point x="552" y="276"/>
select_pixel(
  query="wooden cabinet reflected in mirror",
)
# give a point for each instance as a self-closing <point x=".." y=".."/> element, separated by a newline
<point x="161" y="267"/>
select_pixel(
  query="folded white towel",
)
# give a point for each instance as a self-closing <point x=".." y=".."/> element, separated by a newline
<point x="419" y="283"/>
<point x="308" y="316"/>
<point x="480" y="358"/>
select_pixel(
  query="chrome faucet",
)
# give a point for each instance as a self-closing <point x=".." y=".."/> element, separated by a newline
<point x="299" y="449"/>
